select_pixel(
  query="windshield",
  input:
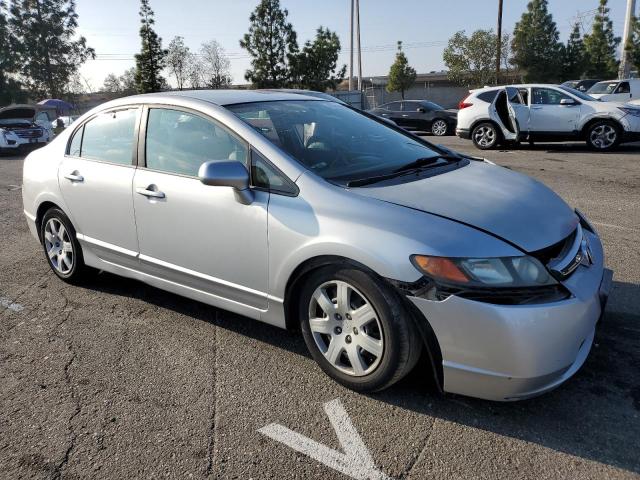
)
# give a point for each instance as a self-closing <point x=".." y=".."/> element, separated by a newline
<point x="432" y="106"/>
<point x="603" y="87"/>
<point x="334" y="141"/>
<point x="578" y="93"/>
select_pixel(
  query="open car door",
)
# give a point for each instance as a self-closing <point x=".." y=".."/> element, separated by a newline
<point x="510" y="112"/>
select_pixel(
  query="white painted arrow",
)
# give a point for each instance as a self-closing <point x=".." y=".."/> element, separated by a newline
<point x="355" y="462"/>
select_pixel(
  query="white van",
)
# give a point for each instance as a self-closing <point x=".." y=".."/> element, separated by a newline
<point x="616" y="90"/>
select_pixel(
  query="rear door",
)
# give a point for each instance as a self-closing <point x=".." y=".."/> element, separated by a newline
<point x="395" y="113"/>
<point x="510" y="113"/>
<point x="95" y="179"/>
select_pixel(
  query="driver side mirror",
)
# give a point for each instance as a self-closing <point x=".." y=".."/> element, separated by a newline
<point x="228" y="174"/>
<point x="567" y="101"/>
<point x="421" y="110"/>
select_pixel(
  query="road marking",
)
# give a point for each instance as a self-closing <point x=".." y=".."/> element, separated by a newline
<point x="600" y="224"/>
<point x="356" y="461"/>
<point x="14" y="187"/>
<point x="6" y="303"/>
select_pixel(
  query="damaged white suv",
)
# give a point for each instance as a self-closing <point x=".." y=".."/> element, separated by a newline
<point x="493" y="116"/>
<point x="22" y="125"/>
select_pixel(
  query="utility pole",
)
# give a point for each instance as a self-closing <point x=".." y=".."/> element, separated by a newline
<point x="625" y="65"/>
<point x="359" y="46"/>
<point x="499" y="42"/>
<point x="351" y="48"/>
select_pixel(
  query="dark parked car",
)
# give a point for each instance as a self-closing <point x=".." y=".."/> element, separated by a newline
<point x="419" y="115"/>
<point x="580" y="85"/>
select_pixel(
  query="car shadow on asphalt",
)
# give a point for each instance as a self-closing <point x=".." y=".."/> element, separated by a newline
<point x="574" y="147"/>
<point x="595" y="415"/>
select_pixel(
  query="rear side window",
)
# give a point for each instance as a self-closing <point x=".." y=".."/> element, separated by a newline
<point x="109" y="137"/>
<point x="76" y="143"/>
<point x="488" y="96"/>
<point x="180" y="142"/>
<point x="393" y="106"/>
<point x="623" y="88"/>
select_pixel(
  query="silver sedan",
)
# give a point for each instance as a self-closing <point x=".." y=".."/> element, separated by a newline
<point x="309" y="215"/>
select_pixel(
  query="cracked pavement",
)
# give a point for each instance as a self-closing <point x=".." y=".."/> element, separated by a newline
<point x="116" y="379"/>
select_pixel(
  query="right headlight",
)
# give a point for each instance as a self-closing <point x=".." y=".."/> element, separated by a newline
<point x="506" y="272"/>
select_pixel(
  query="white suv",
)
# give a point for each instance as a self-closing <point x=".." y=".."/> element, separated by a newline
<point x="494" y="115"/>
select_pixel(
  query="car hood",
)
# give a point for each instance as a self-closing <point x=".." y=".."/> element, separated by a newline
<point x="17" y="113"/>
<point x="496" y="200"/>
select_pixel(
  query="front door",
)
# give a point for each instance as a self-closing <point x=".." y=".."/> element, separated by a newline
<point x="95" y="179"/>
<point x="198" y="236"/>
<point x="549" y="114"/>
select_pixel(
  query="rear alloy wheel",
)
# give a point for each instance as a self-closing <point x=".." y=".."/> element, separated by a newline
<point x="357" y="330"/>
<point x="439" y="128"/>
<point x="61" y="247"/>
<point x="485" y="136"/>
<point x="603" y="136"/>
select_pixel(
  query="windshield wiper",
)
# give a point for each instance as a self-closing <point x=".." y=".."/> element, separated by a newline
<point x="425" y="162"/>
<point x="416" y="165"/>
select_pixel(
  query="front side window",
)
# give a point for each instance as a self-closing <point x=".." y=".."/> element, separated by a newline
<point x="180" y="142"/>
<point x="334" y="141"/>
<point x="393" y="106"/>
<point x="547" y="96"/>
<point x="109" y="137"/>
<point x="603" y="87"/>
<point x="623" y="88"/>
<point x="266" y="176"/>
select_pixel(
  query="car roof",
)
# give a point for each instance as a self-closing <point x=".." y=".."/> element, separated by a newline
<point x="517" y="85"/>
<point x="230" y="97"/>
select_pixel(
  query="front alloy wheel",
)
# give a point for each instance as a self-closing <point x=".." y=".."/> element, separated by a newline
<point x="346" y="328"/>
<point x="61" y="247"/>
<point x="439" y="128"/>
<point x="357" y="328"/>
<point x="603" y="136"/>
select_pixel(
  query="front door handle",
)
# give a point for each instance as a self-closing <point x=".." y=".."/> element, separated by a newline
<point x="150" y="192"/>
<point x="536" y="108"/>
<point x="405" y="115"/>
<point x="74" y="177"/>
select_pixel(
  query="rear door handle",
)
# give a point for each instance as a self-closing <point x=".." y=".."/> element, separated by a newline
<point x="74" y="177"/>
<point x="150" y="192"/>
<point x="536" y="108"/>
<point x="405" y="115"/>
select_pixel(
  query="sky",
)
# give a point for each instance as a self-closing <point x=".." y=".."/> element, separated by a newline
<point x="424" y="26"/>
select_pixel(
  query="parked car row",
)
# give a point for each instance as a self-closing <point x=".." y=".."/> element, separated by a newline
<point x="493" y="116"/>
<point x="22" y="125"/>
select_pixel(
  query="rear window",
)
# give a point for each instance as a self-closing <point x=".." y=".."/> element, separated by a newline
<point x="488" y="96"/>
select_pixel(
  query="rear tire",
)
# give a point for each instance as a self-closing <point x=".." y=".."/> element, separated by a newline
<point x="364" y="352"/>
<point x="485" y="136"/>
<point x="439" y="127"/>
<point x="603" y="136"/>
<point x="61" y="248"/>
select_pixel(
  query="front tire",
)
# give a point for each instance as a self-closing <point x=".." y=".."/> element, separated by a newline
<point x="485" y="136"/>
<point x="357" y="329"/>
<point x="603" y="136"/>
<point x="61" y="248"/>
<point x="439" y="128"/>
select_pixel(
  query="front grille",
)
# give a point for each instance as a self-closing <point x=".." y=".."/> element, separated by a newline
<point x="506" y="296"/>
<point x="547" y="254"/>
<point x="29" y="133"/>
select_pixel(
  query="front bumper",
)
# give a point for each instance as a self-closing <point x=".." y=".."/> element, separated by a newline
<point x="512" y="352"/>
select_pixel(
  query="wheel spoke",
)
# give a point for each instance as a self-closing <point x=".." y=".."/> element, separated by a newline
<point x="61" y="232"/>
<point x="343" y="296"/>
<point x="362" y="316"/>
<point x="49" y="236"/>
<point x="370" y="344"/>
<point x="320" y="325"/>
<point x="66" y="261"/>
<point x="52" y="252"/>
<point x="67" y="247"/>
<point x="355" y="359"/>
<point x="334" y="350"/>
<point x="52" y="227"/>
<point x="324" y="301"/>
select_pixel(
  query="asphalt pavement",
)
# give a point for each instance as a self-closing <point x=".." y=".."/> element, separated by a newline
<point x="116" y="379"/>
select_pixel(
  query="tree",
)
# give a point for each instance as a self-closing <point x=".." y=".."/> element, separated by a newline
<point x="601" y="45"/>
<point x="178" y="56"/>
<point x="214" y="66"/>
<point x="401" y="75"/>
<point x="315" y="66"/>
<point x="573" y="56"/>
<point x="112" y="84"/>
<point x="633" y="46"/>
<point x="44" y="44"/>
<point x="536" y="46"/>
<point x="271" y="42"/>
<point x="151" y="59"/>
<point x="471" y="61"/>
<point x="9" y="86"/>
<point x="128" y="80"/>
<point x="195" y="72"/>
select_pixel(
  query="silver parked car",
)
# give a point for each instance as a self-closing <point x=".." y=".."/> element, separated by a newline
<point x="305" y="213"/>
